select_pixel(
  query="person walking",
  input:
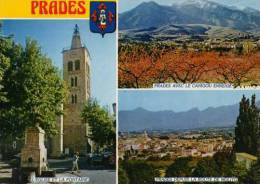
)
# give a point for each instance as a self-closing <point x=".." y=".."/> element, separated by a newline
<point x="75" y="162"/>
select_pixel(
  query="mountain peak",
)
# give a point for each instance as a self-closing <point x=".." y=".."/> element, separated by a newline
<point x="194" y="109"/>
<point x="251" y="10"/>
<point x="136" y="120"/>
<point x="140" y="109"/>
<point x="149" y="4"/>
<point x="200" y="3"/>
<point x="189" y="12"/>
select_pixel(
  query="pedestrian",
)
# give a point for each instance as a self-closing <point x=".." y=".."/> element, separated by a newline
<point x="75" y="162"/>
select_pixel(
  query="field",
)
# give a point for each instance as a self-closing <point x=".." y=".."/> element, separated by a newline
<point x="141" y="64"/>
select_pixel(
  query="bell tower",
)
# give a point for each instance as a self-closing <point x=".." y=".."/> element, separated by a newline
<point x="76" y="73"/>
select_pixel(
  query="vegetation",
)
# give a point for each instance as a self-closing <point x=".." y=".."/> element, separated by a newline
<point x="31" y="91"/>
<point x="102" y="124"/>
<point x="5" y="48"/>
<point x="239" y="170"/>
<point x="142" y="65"/>
<point x="139" y="172"/>
<point x="254" y="174"/>
<point x="247" y="129"/>
<point x="180" y="168"/>
<point x="122" y="176"/>
<point x="222" y="164"/>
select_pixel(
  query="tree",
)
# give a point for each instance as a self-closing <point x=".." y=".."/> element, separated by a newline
<point x="238" y="70"/>
<point x="142" y="65"/>
<point x="239" y="170"/>
<point x="253" y="176"/>
<point x="34" y="89"/>
<point x="103" y="132"/>
<point x="180" y="168"/>
<point x="122" y="176"/>
<point x="206" y="167"/>
<point x="247" y="128"/>
<point x="136" y="61"/>
<point x="140" y="172"/>
<point x="5" y="48"/>
<point x="224" y="160"/>
<point x="189" y="67"/>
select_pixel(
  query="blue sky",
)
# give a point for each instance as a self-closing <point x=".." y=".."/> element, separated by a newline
<point x="54" y="35"/>
<point x="179" y="101"/>
<point x="125" y="5"/>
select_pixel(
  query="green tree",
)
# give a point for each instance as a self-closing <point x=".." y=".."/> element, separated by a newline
<point x="254" y="174"/>
<point x="206" y="167"/>
<point x="247" y="128"/>
<point x="140" y="172"/>
<point x="180" y="168"/>
<point x="122" y="176"/>
<point x="224" y="161"/>
<point x="5" y="48"/>
<point x="103" y="132"/>
<point x="239" y="170"/>
<point x="34" y="89"/>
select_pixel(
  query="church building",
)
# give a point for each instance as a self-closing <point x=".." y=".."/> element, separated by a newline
<point x="74" y="133"/>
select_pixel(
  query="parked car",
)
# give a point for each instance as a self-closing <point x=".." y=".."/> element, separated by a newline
<point x="96" y="159"/>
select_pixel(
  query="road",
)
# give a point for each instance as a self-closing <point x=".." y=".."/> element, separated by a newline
<point x="95" y="176"/>
<point x="62" y="168"/>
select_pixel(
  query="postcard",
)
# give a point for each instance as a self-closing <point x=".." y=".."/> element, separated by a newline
<point x="188" y="41"/>
<point x="58" y="93"/>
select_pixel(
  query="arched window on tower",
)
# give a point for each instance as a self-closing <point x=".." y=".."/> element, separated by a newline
<point x="70" y="66"/>
<point x="75" y="99"/>
<point x="72" y="99"/>
<point x="87" y="67"/>
<point x="76" y="81"/>
<point x="72" y="82"/>
<point x="77" y="65"/>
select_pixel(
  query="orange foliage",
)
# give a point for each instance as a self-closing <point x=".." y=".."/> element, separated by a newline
<point x="239" y="69"/>
<point x="141" y="66"/>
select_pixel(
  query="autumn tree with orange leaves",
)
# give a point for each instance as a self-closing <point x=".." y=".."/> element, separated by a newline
<point x="239" y="70"/>
<point x="143" y="65"/>
<point x="135" y="65"/>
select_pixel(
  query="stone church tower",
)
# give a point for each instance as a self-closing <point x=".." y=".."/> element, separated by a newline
<point x="76" y="73"/>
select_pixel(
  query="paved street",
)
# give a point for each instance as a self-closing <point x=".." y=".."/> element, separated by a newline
<point x="95" y="176"/>
<point x="63" y="168"/>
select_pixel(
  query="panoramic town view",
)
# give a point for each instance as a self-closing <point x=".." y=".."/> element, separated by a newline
<point x="188" y="133"/>
<point x="194" y="41"/>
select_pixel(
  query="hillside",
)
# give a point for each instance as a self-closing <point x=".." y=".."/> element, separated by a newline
<point x="180" y="31"/>
<point x="140" y="119"/>
<point x="151" y="14"/>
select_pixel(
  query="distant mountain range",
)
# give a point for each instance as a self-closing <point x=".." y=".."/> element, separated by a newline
<point x="182" y="31"/>
<point x="141" y="119"/>
<point x="151" y="14"/>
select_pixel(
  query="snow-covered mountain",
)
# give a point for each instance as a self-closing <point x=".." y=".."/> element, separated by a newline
<point x="151" y="14"/>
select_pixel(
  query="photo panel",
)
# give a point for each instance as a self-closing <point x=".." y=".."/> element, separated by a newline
<point x="188" y="136"/>
<point x="162" y="43"/>
<point x="57" y="124"/>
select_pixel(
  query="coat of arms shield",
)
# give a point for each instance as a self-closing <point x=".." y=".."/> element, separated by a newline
<point x="102" y="17"/>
